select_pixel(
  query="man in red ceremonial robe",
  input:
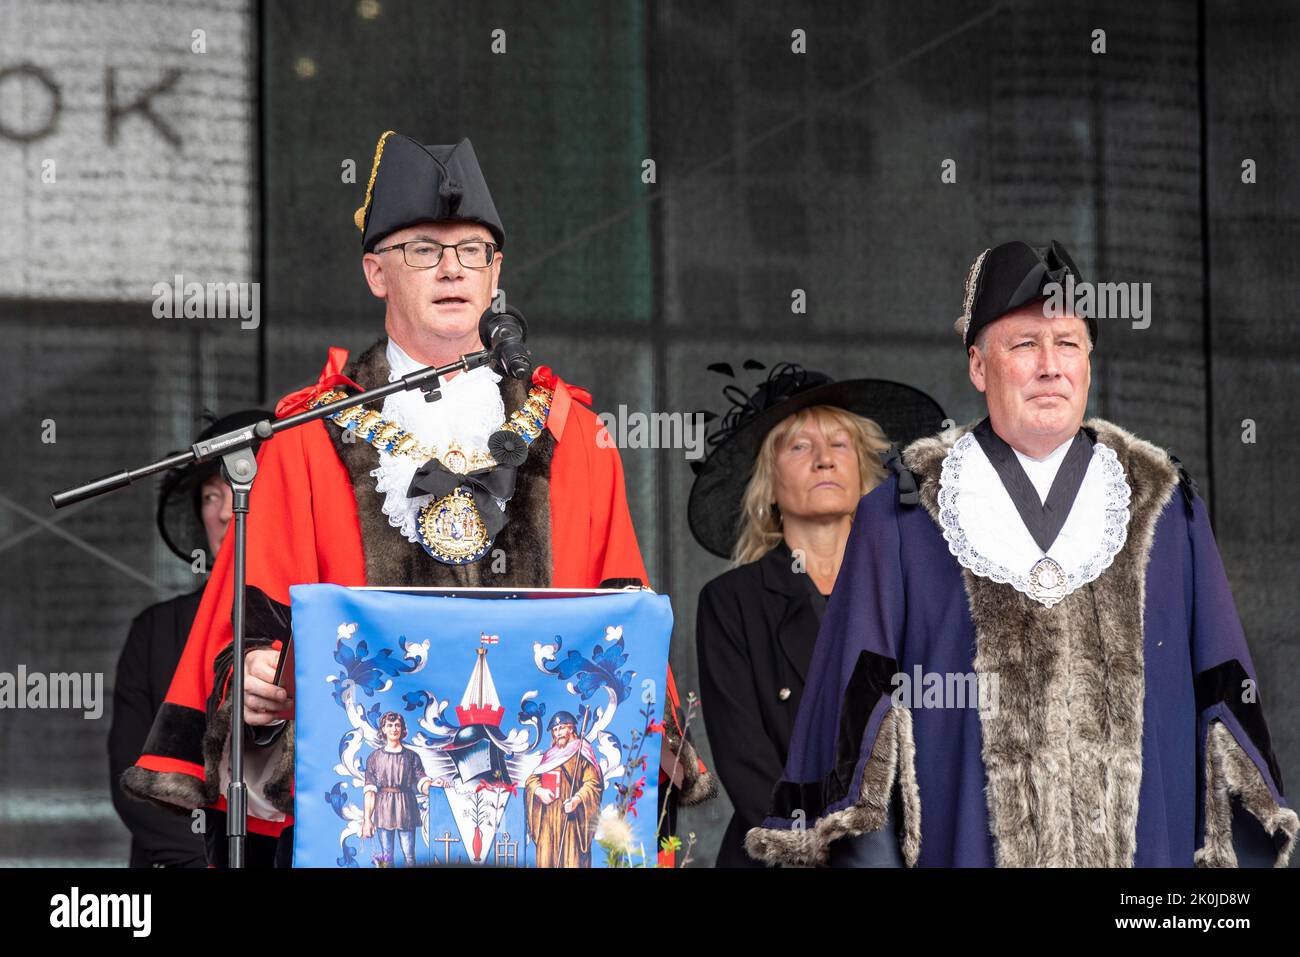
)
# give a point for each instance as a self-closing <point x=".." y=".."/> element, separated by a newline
<point x="378" y="499"/>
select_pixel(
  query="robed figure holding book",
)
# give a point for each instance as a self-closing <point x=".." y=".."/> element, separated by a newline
<point x="562" y="797"/>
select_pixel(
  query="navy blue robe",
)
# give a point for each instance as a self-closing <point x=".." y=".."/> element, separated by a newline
<point x="900" y="601"/>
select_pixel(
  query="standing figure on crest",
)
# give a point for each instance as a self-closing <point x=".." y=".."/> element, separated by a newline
<point x="394" y="774"/>
<point x="563" y="797"/>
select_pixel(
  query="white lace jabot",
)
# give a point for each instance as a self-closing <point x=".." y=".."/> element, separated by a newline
<point x="469" y="411"/>
<point x="986" y="534"/>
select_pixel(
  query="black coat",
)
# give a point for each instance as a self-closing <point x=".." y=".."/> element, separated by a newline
<point x="754" y="637"/>
<point x="159" y="838"/>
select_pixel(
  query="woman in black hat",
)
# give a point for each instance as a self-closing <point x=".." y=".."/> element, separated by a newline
<point x="777" y="496"/>
<point x="193" y="514"/>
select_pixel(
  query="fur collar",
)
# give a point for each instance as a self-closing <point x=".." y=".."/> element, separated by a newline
<point x="1063" y="753"/>
<point x="521" y="554"/>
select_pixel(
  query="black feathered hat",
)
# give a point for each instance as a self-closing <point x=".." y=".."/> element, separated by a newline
<point x="412" y="183"/>
<point x="180" y="516"/>
<point x="1009" y="276"/>
<point x="713" y="510"/>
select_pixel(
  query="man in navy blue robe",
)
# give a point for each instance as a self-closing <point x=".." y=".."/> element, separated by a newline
<point x="1031" y="656"/>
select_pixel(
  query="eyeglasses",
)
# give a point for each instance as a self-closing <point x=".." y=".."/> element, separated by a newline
<point x="427" y="253"/>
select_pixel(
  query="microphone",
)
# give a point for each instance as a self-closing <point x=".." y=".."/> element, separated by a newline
<point x="504" y="333"/>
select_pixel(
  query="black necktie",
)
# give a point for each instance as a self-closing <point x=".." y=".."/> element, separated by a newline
<point x="1043" y="519"/>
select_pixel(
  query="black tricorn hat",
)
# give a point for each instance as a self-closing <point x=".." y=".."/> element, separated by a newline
<point x="713" y="510"/>
<point x="412" y="183"/>
<point x="1009" y="276"/>
<point x="180" y="520"/>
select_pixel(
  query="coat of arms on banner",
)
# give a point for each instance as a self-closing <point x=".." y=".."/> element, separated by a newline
<point x="516" y="732"/>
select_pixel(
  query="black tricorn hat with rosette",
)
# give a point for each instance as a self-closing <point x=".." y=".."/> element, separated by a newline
<point x="903" y="412"/>
<point x="1009" y="276"/>
<point x="412" y="183"/>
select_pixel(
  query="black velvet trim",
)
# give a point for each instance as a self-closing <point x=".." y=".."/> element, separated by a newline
<point x="265" y="620"/>
<point x="177" y="733"/>
<point x="1224" y="683"/>
<point x="872" y="677"/>
<point x="265" y="617"/>
<point x="221" y="670"/>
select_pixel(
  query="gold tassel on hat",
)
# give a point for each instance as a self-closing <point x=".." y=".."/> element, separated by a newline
<point x="359" y="217"/>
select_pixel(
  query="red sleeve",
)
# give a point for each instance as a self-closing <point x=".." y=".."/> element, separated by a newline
<point x="614" y="541"/>
<point x="298" y="532"/>
<point x="592" y="534"/>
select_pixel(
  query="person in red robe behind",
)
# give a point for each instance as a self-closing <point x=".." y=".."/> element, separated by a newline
<point x="498" y="483"/>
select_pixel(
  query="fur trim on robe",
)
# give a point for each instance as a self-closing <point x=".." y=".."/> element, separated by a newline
<point x="1062" y="753"/>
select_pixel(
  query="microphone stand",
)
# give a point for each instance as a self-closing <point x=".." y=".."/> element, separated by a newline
<point x="239" y="468"/>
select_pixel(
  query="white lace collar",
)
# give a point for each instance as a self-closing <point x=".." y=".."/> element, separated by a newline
<point x="470" y="410"/>
<point x="986" y="534"/>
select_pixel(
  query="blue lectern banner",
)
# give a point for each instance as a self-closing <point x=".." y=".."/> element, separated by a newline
<point x="516" y="732"/>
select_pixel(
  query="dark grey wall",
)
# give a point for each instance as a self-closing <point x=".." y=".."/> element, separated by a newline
<point x="1252" y="87"/>
<point x="775" y="171"/>
<point x="149" y="143"/>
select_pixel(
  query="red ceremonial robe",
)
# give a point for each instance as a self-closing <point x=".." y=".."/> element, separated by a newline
<point x="304" y="527"/>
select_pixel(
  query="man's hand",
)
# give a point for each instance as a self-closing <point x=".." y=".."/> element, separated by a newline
<point x="571" y="805"/>
<point x="265" y="702"/>
<point x="367" y="828"/>
<point x="545" y="795"/>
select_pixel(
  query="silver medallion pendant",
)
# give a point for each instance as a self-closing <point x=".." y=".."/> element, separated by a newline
<point x="1047" y="581"/>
